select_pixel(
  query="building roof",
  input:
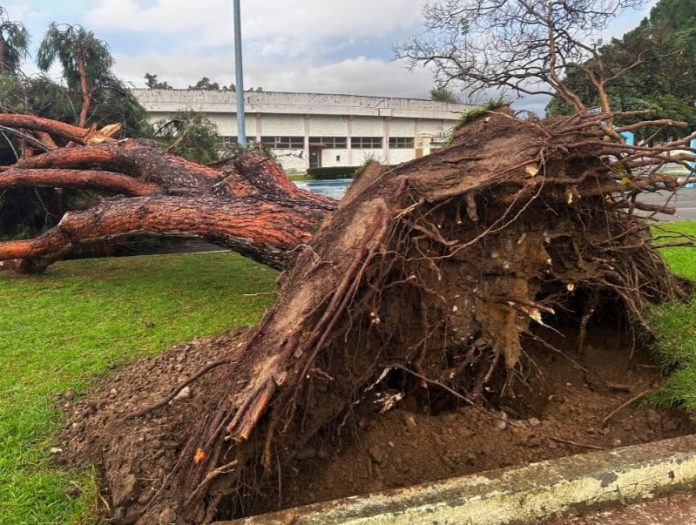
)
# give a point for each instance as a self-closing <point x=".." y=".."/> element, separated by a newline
<point x="174" y="100"/>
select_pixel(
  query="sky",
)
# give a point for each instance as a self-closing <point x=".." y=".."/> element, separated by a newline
<point x="323" y="46"/>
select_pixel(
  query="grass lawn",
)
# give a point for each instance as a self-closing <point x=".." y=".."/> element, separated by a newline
<point x="676" y="328"/>
<point x="62" y="329"/>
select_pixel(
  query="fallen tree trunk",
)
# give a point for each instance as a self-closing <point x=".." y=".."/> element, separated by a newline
<point x="435" y="272"/>
<point x="247" y="205"/>
<point x="431" y="275"/>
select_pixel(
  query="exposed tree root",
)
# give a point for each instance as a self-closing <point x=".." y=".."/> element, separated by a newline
<point x="399" y="279"/>
<point x="438" y="267"/>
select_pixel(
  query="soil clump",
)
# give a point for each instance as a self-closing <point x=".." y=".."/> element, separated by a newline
<point x="423" y="437"/>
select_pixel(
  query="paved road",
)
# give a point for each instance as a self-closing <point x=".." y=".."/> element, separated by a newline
<point x="684" y="200"/>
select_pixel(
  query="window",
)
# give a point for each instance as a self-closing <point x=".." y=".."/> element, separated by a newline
<point x="366" y="142"/>
<point x="283" y="142"/>
<point x="227" y="141"/>
<point x="329" y="142"/>
<point x="401" y="142"/>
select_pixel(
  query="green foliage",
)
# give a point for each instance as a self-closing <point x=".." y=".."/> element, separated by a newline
<point x="113" y="102"/>
<point x="205" y="84"/>
<point x="70" y="45"/>
<point x="229" y="151"/>
<point x="37" y="95"/>
<point x="334" y="172"/>
<point x="71" y="325"/>
<point x="654" y="69"/>
<point x="28" y="212"/>
<point x="476" y="112"/>
<point x="14" y="43"/>
<point x="189" y="135"/>
<point x="443" y="94"/>
<point x="152" y="82"/>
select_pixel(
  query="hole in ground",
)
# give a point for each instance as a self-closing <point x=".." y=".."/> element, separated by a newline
<point x="560" y="413"/>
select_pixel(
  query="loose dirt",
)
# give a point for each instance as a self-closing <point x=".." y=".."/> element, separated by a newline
<point x="422" y="438"/>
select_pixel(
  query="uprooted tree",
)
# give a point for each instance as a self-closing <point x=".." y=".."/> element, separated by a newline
<point x="438" y="269"/>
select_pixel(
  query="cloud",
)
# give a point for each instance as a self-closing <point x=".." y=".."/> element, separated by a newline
<point x="313" y="45"/>
<point x="277" y="24"/>
<point x="360" y="76"/>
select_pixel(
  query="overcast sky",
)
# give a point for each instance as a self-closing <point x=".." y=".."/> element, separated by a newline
<point x="329" y="46"/>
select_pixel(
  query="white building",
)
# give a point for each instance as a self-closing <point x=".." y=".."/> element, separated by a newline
<point x="313" y="130"/>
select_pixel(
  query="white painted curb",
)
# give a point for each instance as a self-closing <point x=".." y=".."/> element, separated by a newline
<point x="518" y="495"/>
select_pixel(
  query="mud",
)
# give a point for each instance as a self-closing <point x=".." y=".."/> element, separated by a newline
<point x="422" y="438"/>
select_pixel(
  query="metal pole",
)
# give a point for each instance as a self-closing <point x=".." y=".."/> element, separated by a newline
<point x="239" y="73"/>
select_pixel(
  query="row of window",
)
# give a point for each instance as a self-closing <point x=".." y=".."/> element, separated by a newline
<point x="329" y="142"/>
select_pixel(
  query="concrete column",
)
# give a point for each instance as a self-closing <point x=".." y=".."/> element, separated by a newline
<point x="385" y="138"/>
<point x="258" y="128"/>
<point x="349" y="134"/>
<point x="306" y="141"/>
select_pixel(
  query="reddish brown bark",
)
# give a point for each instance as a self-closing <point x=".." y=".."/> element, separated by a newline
<point x="53" y="178"/>
<point x="16" y="120"/>
<point x="247" y="205"/>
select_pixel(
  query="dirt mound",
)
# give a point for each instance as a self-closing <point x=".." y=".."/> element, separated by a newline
<point x="137" y="455"/>
<point x="561" y="413"/>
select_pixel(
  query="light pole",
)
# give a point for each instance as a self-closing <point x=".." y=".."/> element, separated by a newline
<point x="239" y="73"/>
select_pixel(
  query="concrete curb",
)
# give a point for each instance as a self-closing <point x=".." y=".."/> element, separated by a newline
<point x="515" y="495"/>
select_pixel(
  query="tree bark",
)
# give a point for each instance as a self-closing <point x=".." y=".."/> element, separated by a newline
<point x="84" y="87"/>
<point x="247" y="204"/>
<point x="436" y="269"/>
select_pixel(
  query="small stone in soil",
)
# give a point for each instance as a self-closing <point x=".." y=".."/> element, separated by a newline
<point x="167" y="517"/>
<point x="56" y="450"/>
<point x="184" y="394"/>
<point x="533" y="422"/>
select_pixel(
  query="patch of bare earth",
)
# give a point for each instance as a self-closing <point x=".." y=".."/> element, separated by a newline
<point x="424" y="437"/>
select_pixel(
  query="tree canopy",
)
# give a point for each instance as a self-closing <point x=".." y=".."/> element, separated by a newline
<point x="85" y="60"/>
<point x="443" y="94"/>
<point x="152" y="83"/>
<point x="14" y="43"/>
<point x="654" y="69"/>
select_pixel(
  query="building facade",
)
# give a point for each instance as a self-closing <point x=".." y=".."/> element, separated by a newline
<point x="316" y="130"/>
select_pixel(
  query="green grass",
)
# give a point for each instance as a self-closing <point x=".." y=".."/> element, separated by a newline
<point x="675" y="324"/>
<point x="61" y="330"/>
<point x="300" y="177"/>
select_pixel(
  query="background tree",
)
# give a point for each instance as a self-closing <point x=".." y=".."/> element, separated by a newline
<point x="205" y="84"/>
<point x="14" y="43"/>
<point x="189" y="135"/>
<point x="443" y="94"/>
<point x="658" y="71"/>
<point x="152" y="82"/>
<point x="29" y="211"/>
<point x="526" y="46"/>
<point x="84" y="58"/>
